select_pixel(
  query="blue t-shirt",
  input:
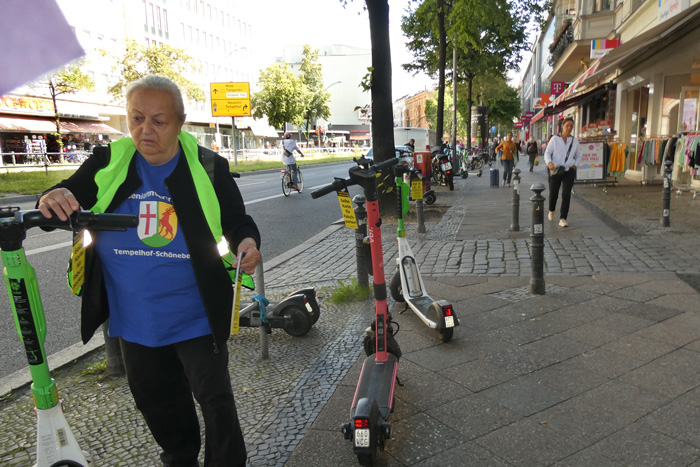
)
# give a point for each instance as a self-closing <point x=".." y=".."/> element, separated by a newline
<point x="151" y="287"/>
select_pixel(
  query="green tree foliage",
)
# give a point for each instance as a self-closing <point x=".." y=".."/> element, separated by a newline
<point x="282" y="97"/>
<point x="312" y="77"/>
<point x="502" y="99"/>
<point x="70" y="79"/>
<point x="489" y="37"/>
<point x="141" y="60"/>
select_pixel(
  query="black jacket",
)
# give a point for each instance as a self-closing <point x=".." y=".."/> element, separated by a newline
<point x="212" y="279"/>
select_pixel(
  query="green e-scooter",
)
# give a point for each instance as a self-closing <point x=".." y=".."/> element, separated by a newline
<point x="406" y="284"/>
<point x="56" y="444"/>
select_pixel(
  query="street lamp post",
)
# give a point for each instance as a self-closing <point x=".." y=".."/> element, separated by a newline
<point x="317" y="126"/>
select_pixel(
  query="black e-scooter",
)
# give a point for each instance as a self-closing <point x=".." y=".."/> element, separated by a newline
<point x="374" y="395"/>
<point x="56" y="443"/>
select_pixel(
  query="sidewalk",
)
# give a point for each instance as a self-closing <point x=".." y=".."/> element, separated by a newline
<point x="604" y="369"/>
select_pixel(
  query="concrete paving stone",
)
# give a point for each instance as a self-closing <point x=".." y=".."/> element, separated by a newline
<point x="659" y="378"/>
<point x="650" y="312"/>
<point x="434" y="438"/>
<point x="536" y="355"/>
<point x="580" y="423"/>
<point x="527" y="443"/>
<point x="465" y="454"/>
<point x="640" y="445"/>
<point x="321" y="450"/>
<point x="628" y="402"/>
<point x="568" y="378"/>
<point x="678" y="330"/>
<point x="639" y="348"/>
<point x="477" y="375"/>
<point x="588" y="457"/>
<point x="473" y="416"/>
<point x="524" y="395"/>
<point x="676" y="420"/>
<point x="606" y="363"/>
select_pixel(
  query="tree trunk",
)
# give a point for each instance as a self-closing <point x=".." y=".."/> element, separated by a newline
<point x="454" y="99"/>
<point x="382" y="113"/>
<point x="470" y="81"/>
<point x="57" y="121"/>
<point x="441" y="70"/>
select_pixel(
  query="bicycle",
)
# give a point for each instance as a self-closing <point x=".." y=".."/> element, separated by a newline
<point x="287" y="185"/>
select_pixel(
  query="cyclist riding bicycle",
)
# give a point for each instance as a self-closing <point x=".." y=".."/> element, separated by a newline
<point x="288" y="159"/>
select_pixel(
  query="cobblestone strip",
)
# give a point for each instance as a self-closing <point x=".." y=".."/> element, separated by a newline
<point x="279" y="433"/>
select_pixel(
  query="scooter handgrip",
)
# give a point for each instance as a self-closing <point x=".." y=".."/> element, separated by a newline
<point x="379" y="166"/>
<point x="108" y="221"/>
<point x="324" y="190"/>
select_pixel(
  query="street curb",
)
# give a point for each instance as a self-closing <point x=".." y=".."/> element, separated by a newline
<point x="22" y="377"/>
<point x="18" y="199"/>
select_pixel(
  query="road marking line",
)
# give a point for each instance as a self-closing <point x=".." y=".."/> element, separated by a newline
<point x="48" y="248"/>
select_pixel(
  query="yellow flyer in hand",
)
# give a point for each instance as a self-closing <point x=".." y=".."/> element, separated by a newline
<point x="236" y="315"/>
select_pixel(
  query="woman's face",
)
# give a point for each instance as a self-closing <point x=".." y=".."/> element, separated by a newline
<point x="568" y="127"/>
<point x="154" y="124"/>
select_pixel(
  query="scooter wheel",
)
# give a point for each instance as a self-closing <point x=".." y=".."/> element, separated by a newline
<point x="430" y="198"/>
<point x="450" y="184"/>
<point x="297" y="321"/>
<point x="395" y="287"/>
<point x="369" y="345"/>
<point x="465" y="174"/>
<point x="479" y="174"/>
<point x="446" y="334"/>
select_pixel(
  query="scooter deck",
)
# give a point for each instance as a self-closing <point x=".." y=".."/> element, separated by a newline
<point x="377" y="381"/>
<point x="420" y="305"/>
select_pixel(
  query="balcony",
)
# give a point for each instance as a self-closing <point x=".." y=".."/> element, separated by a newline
<point x="570" y="50"/>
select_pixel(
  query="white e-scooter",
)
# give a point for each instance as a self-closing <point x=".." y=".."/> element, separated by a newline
<point x="406" y="284"/>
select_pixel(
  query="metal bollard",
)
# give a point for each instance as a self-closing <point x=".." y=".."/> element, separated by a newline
<point x="419" y="216"/>
<point x="260" y="289"/>
<point x="666" y="213"/>
<point x="537" y="244"/>
<point x="515" y="222"/>
<point x="115" y="362"/>
<point x="362" y="248"/>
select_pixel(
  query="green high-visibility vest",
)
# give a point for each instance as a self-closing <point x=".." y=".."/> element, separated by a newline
<point x="111" y="177"/>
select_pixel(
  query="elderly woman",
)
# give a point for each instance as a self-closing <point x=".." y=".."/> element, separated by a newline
<point x="163" y="286"/>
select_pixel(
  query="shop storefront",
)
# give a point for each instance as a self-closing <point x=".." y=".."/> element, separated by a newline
<point x="28" y="132"/>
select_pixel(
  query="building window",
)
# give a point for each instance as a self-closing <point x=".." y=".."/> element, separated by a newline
<point x="145" y="11"/>
<point x="601" y="5"/>
<point x="165" y="20"/>
<point x="159" y="22"/>
<point x="153" y="15"/>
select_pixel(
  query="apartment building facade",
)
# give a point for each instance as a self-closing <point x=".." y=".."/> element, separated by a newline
<point x="642" y="96"/>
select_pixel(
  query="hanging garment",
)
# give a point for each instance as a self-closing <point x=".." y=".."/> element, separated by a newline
<point x="618" y="160"/>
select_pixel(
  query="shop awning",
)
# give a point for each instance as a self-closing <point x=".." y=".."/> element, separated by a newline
<point x="93" y="128"/>
<point x="359" y="137"/>
<point x="27" y="125"/>
<point x="47" y="125"/>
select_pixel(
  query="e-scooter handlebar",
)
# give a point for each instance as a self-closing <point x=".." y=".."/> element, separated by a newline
<point x="338" y="184"/>
<point x="81" y="219"/>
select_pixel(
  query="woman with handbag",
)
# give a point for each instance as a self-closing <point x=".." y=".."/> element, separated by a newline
<point x="532" y="151"/>
<point x="562" y="156"/>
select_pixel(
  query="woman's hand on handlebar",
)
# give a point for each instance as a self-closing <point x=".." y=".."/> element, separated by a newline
<point x="60" y="202"/>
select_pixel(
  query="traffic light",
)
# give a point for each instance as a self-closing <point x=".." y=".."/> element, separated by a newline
<point x="330" y="126"/>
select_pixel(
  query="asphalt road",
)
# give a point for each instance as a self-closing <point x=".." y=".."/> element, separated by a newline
<point x="284" y="223"/>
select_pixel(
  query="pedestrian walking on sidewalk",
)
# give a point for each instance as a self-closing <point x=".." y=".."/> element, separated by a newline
<point x="562" y="156"/>
<point x="510" y="153"/>
<point x="532" y="152"/>
<point x="163" y="285"/>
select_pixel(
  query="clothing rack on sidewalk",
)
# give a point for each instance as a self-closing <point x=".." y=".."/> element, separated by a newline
<point x="604" y="181"/>
<point x="686" y="162"/>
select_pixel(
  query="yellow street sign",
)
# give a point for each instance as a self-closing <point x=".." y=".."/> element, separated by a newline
<point x="230" y="99"/>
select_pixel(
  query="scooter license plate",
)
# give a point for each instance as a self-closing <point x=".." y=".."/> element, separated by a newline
<point x="308" y="307"/>
<point x="362" y="438"/>
<point x="446" y="166"/>
<point x="449" y="321"/>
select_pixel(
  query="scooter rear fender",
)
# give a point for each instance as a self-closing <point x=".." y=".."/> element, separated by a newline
<point x="436" y="313"/>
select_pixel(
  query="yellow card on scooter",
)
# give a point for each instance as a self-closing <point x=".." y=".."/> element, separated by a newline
<point x="346" y="208"/>
<point x="236" y="313"/>
<point x="416" y="189"/>
<point x="78" y="262"/>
